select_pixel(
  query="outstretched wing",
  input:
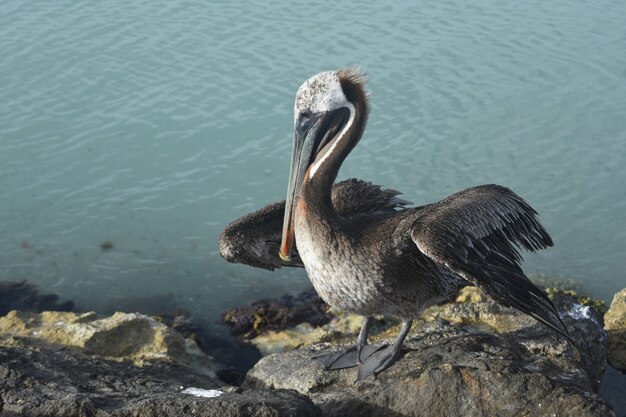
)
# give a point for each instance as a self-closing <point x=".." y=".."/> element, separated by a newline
<point x="477" y="233"/>
<point x="254" y="239"/>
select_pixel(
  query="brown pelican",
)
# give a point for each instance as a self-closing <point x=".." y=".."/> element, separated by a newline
<point x="369" y="253"/>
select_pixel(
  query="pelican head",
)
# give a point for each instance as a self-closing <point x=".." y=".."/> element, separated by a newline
<point x="326" y="111"/>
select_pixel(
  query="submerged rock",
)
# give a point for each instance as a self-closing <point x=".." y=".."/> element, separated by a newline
<point x="274" y="314"/>
<point x="469" y="359"/>
<point x="615" y="326"/>
<point x="122" y="337"/>
<point x="46" y="383"/>
<point x="20" y="295"/>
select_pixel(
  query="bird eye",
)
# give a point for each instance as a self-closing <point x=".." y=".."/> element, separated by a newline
<point x="305" y="114"/>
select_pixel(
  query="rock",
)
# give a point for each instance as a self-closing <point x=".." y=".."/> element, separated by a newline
<point x="20" y="295"/>
<point x="469" y="359"/>
<point x="471" y="307"/>
<point x="293" y="321"/>
<point x="339" y="327"/>
<point x="615" y="326"/>
<point x="180" y="320"/>
<point x="122" y="337"/>
<point x="342" y="328"/>
<point x="471" y="295"/>
<point x="46" y="383"/>
<point x="277" y="314"/>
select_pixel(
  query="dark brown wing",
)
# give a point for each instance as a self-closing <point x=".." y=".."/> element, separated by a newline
<point x="356" y="197"/>
<point x="254" y="239"/>
<point x="477" y="233"/>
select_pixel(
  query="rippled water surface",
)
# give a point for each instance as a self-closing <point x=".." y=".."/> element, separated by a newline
<point x="131" y="133"/>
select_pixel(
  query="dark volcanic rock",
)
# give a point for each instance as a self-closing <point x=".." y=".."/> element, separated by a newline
<point x="277" y="314"/>
<point x="49" y="383"/>
<point x="20" y="295"/>
<point x="463" y="369"/>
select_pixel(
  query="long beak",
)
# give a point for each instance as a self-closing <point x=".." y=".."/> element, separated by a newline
<point x="301" y="157"/>
<point x="312" y="136"/>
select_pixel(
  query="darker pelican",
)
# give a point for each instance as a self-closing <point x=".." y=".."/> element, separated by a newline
<point x="381" y="257"/>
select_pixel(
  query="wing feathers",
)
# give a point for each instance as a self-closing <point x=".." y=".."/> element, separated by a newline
<point x="478" y="233"/>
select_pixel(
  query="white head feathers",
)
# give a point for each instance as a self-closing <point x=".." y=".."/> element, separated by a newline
<point x="321" y="92"/>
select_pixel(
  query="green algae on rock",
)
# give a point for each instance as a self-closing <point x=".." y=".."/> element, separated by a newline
<point x="571" y="287"/>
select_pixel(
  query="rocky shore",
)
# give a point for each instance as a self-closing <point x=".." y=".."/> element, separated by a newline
<point x="470" y="358"/>
<point x="57" y="363"/>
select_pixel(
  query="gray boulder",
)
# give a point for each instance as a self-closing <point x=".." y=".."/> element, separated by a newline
<point x="496" y="362"/>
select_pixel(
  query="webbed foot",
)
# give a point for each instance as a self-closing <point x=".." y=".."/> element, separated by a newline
<point x="384" y="358"/>
<point x="379" y="361"/>
<point x="347" y="358"/>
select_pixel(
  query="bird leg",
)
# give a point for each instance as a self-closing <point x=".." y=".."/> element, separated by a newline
<point x="384" y="358"/>
<point x="352" y="356"/>
<point x="361" y="341"/>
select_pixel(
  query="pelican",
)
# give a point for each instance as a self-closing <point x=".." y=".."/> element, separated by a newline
<point x="366" y="251"/>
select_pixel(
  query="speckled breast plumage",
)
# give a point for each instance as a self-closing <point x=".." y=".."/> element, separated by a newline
<point x="359" y="279"/>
